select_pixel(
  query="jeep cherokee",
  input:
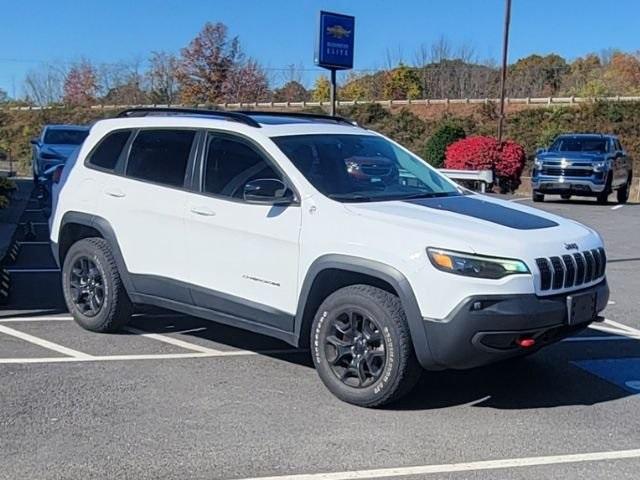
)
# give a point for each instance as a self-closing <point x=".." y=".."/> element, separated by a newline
<point x="259" y="221"/>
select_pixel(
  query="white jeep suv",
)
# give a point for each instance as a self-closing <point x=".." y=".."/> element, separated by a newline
<point x="320" y="233"/>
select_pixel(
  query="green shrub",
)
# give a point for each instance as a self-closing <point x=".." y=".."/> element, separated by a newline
<point x="434" y="150"/>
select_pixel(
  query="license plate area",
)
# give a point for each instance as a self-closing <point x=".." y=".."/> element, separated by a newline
<point x="581" y="308"/>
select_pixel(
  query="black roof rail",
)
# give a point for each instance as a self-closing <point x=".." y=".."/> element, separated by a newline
<point x="308" y="116"/>
<point x="224" y="114"/>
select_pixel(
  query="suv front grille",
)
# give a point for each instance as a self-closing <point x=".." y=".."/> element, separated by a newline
<point x="571" y="270"/>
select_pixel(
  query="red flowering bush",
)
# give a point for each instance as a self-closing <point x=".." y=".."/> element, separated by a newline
<point x="485" y="153"/>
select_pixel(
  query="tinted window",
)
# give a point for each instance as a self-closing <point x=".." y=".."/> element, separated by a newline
<point x="230" y="164"/>
<point x="108" y="151"/>
<point x="58" y="136"/>
<point x="363" y="168"/>
<point x="160" y="156"/>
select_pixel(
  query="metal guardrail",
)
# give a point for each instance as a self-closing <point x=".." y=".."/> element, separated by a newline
<point x="484" y="177"/>
<point x="345" y="103"/>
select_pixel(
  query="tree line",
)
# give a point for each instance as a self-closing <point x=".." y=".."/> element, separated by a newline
<point x="213" y="68"/>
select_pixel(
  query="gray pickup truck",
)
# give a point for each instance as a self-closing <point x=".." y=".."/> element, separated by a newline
<point x="587" y="165"/>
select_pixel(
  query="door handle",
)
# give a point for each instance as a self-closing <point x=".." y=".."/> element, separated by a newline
<point x="203" y="211"/>
<point x="116" y="193"/>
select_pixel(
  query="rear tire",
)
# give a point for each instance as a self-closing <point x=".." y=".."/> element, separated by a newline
<point x="361" y="346"/>
<point x="92" y="287"/>
<point x="537" y="197"/>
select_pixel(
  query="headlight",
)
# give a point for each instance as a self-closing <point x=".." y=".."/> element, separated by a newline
<point x="475" y="265"/>
<point x="599" y="166"/>
<point x="537" y="163"/>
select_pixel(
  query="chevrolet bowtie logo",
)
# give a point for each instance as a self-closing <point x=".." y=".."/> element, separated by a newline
<point x="338" y="31"/>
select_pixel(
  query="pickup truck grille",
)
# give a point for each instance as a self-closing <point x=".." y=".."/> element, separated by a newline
<point x="571" y="172"/>
<point x="568" y="271"/>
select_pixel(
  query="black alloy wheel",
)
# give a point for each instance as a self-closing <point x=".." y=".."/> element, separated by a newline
<point x="355" y="348"/>
<point x="86" y="284"/>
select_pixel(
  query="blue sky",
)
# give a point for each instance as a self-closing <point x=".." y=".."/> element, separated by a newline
<point x="281" y="32"/>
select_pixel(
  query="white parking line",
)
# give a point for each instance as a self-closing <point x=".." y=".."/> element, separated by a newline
<point x="35" y="319"/>
<point x="617" y="207"/>
<point x="461" y="467"/>
<point x="151" y="356"/>
<point x="76" y="355"/>
<point x="173" y="341"/>
<point x="519" y="199"/>
<point x="621" y="326"/>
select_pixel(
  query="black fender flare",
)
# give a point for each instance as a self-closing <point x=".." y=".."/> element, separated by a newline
<point x="381" y="271"/>
<point x="106" y="230"/>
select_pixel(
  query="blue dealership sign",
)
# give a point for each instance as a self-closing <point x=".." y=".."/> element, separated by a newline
<point x="335" y="41"/>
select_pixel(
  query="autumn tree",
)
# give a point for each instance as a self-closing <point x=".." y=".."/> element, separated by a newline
<point x="402" y="83"/>
<point x="205" y="64"/>
<point x="80" y="84"/>
<point x="622" y="74"/>
<point x="537" y="75"/>
<point x="245" y="82"/>
<point x="162" y="78"/>
<point x="321" y="89"/>
<point x="292" y="91"/>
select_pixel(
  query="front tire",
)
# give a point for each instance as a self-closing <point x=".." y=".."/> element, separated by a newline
<point x="92" y="287"/>
<point x="603" y="197"/>
<point x="537" y="197"/>
<point x="623" y="192"/>
<point x="361" y="346"/>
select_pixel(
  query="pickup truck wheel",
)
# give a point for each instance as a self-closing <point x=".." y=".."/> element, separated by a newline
<point x="537" y="197"/>
<point x="361" y="346"/>
<point x="623" y="192"/>
<point x="92" y="288"/>
<point x="603" y="197"/>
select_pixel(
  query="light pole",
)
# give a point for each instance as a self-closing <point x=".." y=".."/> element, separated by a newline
<point x="503" y="78"/>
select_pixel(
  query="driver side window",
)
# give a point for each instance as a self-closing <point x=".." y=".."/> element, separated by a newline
<point x="232" y="162"/>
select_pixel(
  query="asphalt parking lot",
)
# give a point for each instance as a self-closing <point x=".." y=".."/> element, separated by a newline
<point x="178" y="397"/>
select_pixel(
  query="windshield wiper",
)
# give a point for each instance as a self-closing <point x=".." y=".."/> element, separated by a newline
<point x="350" y="197"/>
<point x="425" y="195"/>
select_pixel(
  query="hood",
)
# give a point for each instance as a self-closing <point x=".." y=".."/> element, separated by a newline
<point x="481" y="224"/>
<point x="63" y="151"/>
<point x="584" y="156"/>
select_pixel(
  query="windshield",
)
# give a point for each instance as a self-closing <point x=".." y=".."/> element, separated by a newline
<point x="361" y="168"/>
<point x="59" y="136"/>
<point x="580" y="144"/>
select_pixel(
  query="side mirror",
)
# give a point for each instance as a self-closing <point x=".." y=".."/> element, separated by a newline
<point x="540" y="150"/>
<point x="267" y="191"/>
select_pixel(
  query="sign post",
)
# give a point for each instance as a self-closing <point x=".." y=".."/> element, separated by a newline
<point x="334" y="49"/>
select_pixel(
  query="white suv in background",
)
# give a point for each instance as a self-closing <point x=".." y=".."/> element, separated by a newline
<point x="321" y="233"/>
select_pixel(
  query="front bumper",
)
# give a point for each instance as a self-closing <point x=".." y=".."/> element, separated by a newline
<point x="484" y="329"/>
<point x="566" y="184"/>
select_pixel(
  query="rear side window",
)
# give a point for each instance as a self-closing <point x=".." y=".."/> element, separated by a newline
<point x="108" y="151"/>
<point x="160" y="156"/>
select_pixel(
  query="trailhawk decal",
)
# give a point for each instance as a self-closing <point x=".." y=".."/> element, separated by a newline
<point x="488" y="211"/>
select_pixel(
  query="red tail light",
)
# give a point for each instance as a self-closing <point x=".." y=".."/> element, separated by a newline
<point x="526" y="342"/>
